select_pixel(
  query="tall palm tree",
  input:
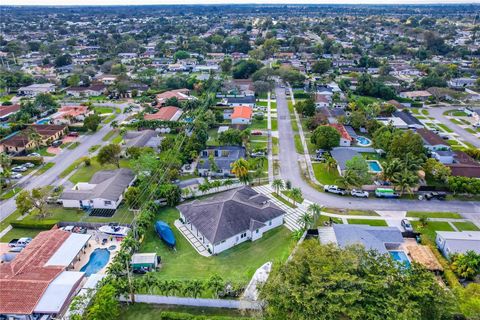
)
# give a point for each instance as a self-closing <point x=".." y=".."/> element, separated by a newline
<point x="330" y="163"/>
<point x="5" y="164"/>
<point x="278" y="185"/>
<point x="348" y="179"/>
<point x="215" y="283"/>
<point x="391" y="168"/>
<point x="305" y="220"/>
<point x="240" y="170"/>
<point x="34" y="136"/>
<point x="406" y="181"/>
<point x="149" y="282"/>
<point x="197" y="288"/>
<point x="295" y="193"/>
<point x="315" y="210"/>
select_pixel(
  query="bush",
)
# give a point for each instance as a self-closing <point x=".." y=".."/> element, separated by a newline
<point x="41" y="224"/>
<point x="301" y="95"/>
<point x="77" y="129"/>
<point x="35" y="160"/>
<point x="171" y="315"/>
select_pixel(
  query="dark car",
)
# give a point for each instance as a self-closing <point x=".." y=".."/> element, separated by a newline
<point x="73" y="134"/>
<point x="433" y="195"/>
<point x="57" y="143"/>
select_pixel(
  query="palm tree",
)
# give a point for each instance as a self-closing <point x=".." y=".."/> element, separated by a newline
<point x="348" y="179"/>
<point x="315" y="210"/>
<point x="149" y="282"/>
<point x="391" y="168"/>
<point x="34" y="136"/>
<point x="215" y="283"/>
<point x="240" y="170"/>
<point x="197" y="288"/>
<point x="330" y="163"/>
<point x="295" y="193"/>
<point x="5" y="164"/>
<point x="278" y="185"/>
<point x="406" y="181"/>
<point x="204" y="187"/>
<point x="216" y="184"/>
<point x="173" y="286"/>
<point x="305" y="220"/>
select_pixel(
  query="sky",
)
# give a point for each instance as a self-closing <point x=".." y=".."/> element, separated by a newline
<point x="159" y="2"/>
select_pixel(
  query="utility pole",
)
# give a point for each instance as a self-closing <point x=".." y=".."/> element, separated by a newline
<point x="129" y="276"/>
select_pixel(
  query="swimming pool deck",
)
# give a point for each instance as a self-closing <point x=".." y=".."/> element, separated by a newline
<point x="94" y="244"/>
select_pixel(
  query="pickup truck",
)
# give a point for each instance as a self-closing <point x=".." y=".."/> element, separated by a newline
<point x="334" y="189"/>
<point x="433" y="195"/>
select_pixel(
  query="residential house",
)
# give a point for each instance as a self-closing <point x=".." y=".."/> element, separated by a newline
<point x="464" y="165"/>
<point x="396" y="122"/>
<point x="345" y="138"/>
<point x="230" y="218"/>
<point x="380" y="239"/>
<point x="411" y="121"/>
<point x="21" y="142"/>
<point x="223" y="156"/>
<point x="242" y="115"/>
<point x="104" y="190"/>
<point x="341" y="156"/>
<point x="107" y="79"/>
<point x="439" y="149"/>
<point x="7" y="111"/>
<point x="420" y="95"/>
<point x="144" y="138"/>
<point x="460" y="83"/>
<point x="69" y="114"/>
<point x="452" y="242"/>
<point x="34" y="89"/>
<point x="241" y="101"/>
<point x="91" y="91"/>
<point x="179" y="94"/>
<point x="322" y="100"/>
<point x="165" y="114"/>
<point x="39" y="282"/>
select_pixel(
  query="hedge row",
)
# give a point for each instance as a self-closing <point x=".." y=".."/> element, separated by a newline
<point x="42" y="224"/>
<point x="170" y="315"/>
<point x="301" y="95"/>
<point x="77" y="129"/>
<point x="35" y="160"/>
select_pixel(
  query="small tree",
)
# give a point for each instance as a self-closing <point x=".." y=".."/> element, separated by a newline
<point x="92" y="122"/>
<point x="295" y="194"/>
<point x="109" y="154"/>
<point x="35" y="199"/>
<point x="305" y="220"/>
<point x="240" y="170"/>
<point x="132" y="197"/>
<point x="278" y="185"/>
<point x="325" y="137"/>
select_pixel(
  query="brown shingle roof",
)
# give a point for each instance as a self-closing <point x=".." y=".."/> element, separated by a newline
<point x="430" y="137"/>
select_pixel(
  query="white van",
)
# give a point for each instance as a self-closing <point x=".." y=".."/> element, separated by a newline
<point x="22" y="242"/>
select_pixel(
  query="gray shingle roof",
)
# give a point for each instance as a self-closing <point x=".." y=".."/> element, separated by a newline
<point x="225" y="156"/>
<point x="110" y="185"/>
<point x="372" y="238"/>
<point x="342" y="155"/>
<point x="230" y="213"/>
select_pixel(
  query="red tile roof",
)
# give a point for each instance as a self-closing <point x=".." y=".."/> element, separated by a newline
<point x="341" y="129"/>
<point x="6" y="110"/>
<point x="24" y="280"/>
<point x="244" y="112"/>
<point x="165" y="114"/>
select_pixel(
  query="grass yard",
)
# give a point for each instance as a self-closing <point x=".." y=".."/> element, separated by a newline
<point x="418" y="214"/>
<point x="470" y="130"/>
<point x="351" y="212"/>
<point x="259" y="124"/>
<point x="117" y="140"/>
<point x="455" y="113"/>
<point x="424" y="112"/>
<point x="432" y="226"/>
<point x="290" y="106"/>
<point x="73" y="145"/>
<point x="104" y="110"/>
<point x="376" y="223"/>
<point x="72" y="167"/>
<point x="43" y="152"/>
<point x="84" y="173"/>
<point x="287" y="194"/>
<point x="457" y="122"/>
<point x="94" y="148"/>
<point x="17" y="233"/>
<point x="237" y="264"/>
<point x="273" y="105"/>
<point x="275" y="146"/>
<point x="44" y="168"/>
<point x="10" y="193"/>
<point x="144" y="311"/>
<point x="466" y="226"/>
<point x="274" y="124"/>
<point x="298" y="143"/>
<point x="294" y="124"/>
<point x="323" y="175"/>
<point x="322" y="219"/>
<point x="444" y="127"/>
<point x="283" y="200"/>
<point x="109" y="135"/>
<point x="262" y="103"/>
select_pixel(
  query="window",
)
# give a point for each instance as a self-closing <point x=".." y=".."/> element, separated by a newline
<point x="270" y="223"/>
<point x="256" y="231"/>
<point x="107" y="203"/>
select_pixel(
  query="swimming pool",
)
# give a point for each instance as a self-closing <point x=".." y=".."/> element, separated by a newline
<point x="98" y="259"/>
<point x="43" y="121"/>
<point x="400" y="257"/>
<point x="363" y="141"/>
<point x="374" y="166"/>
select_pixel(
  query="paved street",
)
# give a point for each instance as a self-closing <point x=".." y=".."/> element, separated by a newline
<point x="290" y="170"/>
<point x="437" y="113"/>
<point x="62" y="161"/>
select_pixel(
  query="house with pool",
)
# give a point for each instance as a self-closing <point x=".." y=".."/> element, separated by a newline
<point x="40" y="281"/>
<point x="229" y="218"/>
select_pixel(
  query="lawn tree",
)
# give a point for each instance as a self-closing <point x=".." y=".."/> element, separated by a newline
<point x="213" y="165"/>
<point x="315" y="210"/>
<point x="132" y="197"/>
<point x="466" y="265"/>
<point x="110" y="154"/>
<point x="321" y="66"/>
<point x="363" y="284"/>
<point x="5" y="166"/>
<point x="170" y="192"/>
<point x="469" y="300"/>
<point x="325" y="137"/>
<point x="240" y="170"/>
<point x="92" y="122"/>
<point x="305" y="220"/>
<point x="405" y="180"/>
<point x="105" y="304"/>
<point x="357" y="168"/>
<point x="278" y="185"/>
<point x="34" y="136"/>
<point x="35" y="199"/>
<point x="296" y="194"/>
<point x="436" y="170"/>
<point x="330" y="163"/>
<point x="391" y="168"/>
<point x="215" y="283"/>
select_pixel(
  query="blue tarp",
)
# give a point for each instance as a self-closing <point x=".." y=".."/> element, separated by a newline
<point x="165" y="233"/>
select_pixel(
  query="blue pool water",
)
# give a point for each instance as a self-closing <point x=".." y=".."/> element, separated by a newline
<point x="374" y="166"/>
<point x="44" y="121"/>
<point x="401" y="257"/>
<point x="362" y="141"/>
<point x="98" y="259"/>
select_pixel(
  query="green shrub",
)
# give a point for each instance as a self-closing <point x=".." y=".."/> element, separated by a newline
<point x="301" y="95"/>
<point x="35" y="160"/>
<point x="171" y="315"/>
<point x="77" y="129"/>
<point x="41" y="224"/>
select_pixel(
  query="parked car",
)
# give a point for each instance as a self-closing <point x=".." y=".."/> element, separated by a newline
<point x="34" y="154"/>
<point x="256" y="133"/>
<point x="433" y="195"/>
<point x="257" y="154"/>
<point x="14" y="175"/>
<point x="335" y="189"/>
<point x="318" y="158"/>
<point x="73" y="134"/>
<point x="53" y="200"/>
<point x="57" y="143"/>
<point x="359" y="193"/>
<point x="19" y="169"/>
<point x="23" y="242"/>
<point x="28" y="165"/>
<point x="12" y="243"/>
<point x="407" y="225"/>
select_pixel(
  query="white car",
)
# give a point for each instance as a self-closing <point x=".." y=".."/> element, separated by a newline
<point x="334" y="189"/>
<point x="14" y="175"/>
<point x="28" y="165"/>
<point x="34" y="154"/>
<point x="359" y="193"/>
<point x="19" y="169"/>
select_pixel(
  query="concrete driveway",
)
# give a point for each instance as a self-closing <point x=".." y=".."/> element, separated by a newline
<point x="290" y="170"/>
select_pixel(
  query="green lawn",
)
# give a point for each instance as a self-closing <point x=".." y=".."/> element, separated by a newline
<point x="259" y="124"/>
<point x="262" y="103"/>
<point x="283" y="200"/>
<point x="455" y="113"/>
<point x="376" y="223"/>
<point x="431" y="227"/>
<point x="287" y="194"/>
<point x="44" y="168"/>
<point x="43" y="152"/>
<point x="298" y="143"/>
<point x="117" y="139"/>
<point x="470" y="130"/>
<point x="456" y="121"/>
<point x="84" y="173"/>
<point x="10" y="193"/>
<point x="274" y="124"/>
<point x="323" y="175"/>
<point x="351" y="212"/>
<point x="466" y="226"/>
<point x="109" y="135"/>
<point x="17" y="233"/>
<point x="275" y="146"/>
<point x="418" y="214"/>
<point x="444" y="127"/>
<point x="94" y="148"/>
<point x="322" y="219"/>
<point x="237" y="264"/>
<point x="104" y="110"/>
<point x="294" y="124"/>
<point x="144" y="311"/>
<point x="73" y="145"/>
<point x="72" y="167"/>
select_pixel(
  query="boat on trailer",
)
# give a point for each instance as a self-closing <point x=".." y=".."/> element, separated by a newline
<point x="165" y="233"/>
<point x="114" y="230"/>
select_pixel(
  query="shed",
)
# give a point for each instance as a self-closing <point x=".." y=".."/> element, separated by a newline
<point x="144" y="260"/>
